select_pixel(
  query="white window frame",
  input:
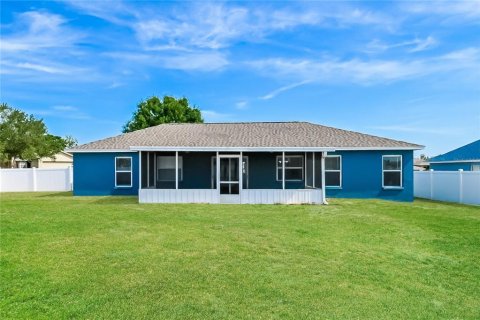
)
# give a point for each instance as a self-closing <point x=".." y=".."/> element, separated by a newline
<point x="389" y="170"/>
<point x="278" y="166"/>
<point x="475" y="167"/>
<point x="339" y="171"/>
<point x="180" y="168"/>
<point x="131" y="171"/>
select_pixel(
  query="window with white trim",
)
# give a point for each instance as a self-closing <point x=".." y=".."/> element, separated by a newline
<point x="166" y="168"/>
<point x="293" y="168"/>
<point x="333" y="171"/>
<point x="392" y="171"/>
<point x="123" y="171"/>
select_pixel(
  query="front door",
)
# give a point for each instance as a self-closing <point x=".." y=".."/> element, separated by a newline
<point x="229" y="176"/>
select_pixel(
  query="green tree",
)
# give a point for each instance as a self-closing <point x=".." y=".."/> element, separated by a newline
<point x="25" y="137"/>
<point x="155" y="111"/>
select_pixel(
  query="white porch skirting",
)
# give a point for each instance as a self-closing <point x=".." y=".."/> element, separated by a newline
<point x="250" y="196"/>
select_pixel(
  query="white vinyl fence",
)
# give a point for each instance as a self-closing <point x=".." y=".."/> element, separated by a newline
<point x="453" y="186"/>
<point x="33" y="179"/>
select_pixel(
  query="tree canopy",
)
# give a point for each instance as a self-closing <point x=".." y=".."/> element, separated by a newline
<point x="25" y="137"/>
<point x="155" y="111"/>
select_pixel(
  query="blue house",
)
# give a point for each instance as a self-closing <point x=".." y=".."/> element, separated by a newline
<point x="256" y="162"/>
<point x="466" y="158"/>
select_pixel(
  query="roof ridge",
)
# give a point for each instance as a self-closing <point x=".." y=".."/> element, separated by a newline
<point x="226" y="122"/>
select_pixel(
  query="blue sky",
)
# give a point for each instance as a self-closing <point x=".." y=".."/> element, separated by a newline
<point x="404" y="70"/>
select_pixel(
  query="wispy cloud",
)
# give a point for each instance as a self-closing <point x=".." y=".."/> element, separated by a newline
<point x="65" y="108"/>
<point x="61" y="111"/>
<point x="242" y="104"/>
<point x="38" y="30"/>
<point x="417" y="129"/>
<point x="414" y="45"/>
<point x="276" y="92"/>
<point x="215" y="116"/>
<point x="450" y="11"/>
<point x="367" y="72"/>
<point x="198" y="61"/>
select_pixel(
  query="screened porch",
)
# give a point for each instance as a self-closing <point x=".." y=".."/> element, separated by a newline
<point x="241" y="177"/>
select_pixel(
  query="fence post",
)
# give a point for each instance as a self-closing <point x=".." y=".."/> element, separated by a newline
<point x="0" y="179"/>
<point x="431" y="184"/>
<point x="460" y="186"/>
<point x="70" y="177"/>
<point x="34" y="178"/>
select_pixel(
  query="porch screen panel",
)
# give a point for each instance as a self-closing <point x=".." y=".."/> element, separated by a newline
<point x="318" y="169"/>
<point x="144" y="169"/>
<point x="309" y="170"/>
<point x="151" y="169"/>
<point x="166" y="168"/>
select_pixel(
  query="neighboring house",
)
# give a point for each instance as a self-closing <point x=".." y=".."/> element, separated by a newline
<point x="420" y="164"/>
<point x="466" y="158"/>
<point x="60" y="160"/>
<point x="260" y="162"/>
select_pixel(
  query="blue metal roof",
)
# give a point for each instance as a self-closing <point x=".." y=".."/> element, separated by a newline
<point x="470" y="151"/>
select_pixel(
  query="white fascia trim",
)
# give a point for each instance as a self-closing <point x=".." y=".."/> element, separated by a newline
<point x="244" y="149"/>
<point x="376" y="148"/>
<point x="233" y="149"/>
<point x="455" y="161"/>
<point x="98" y="150"/>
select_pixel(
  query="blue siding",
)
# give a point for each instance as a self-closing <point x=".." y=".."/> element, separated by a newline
<point x="94" y="174"/>
<point x="466" y="166"/>
<point x="362" y="176"/>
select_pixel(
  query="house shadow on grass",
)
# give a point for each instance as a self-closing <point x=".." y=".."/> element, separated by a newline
<point x="116" y="200"/>
<point x="57" y="194"/>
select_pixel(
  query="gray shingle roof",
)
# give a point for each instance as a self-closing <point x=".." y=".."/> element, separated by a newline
<point x="245" y="135"/>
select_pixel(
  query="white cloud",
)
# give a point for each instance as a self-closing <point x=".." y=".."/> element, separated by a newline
<point x="421" y="45"/>
<point x="276" y="92"/>
<point x="61" y="111"/>
<point x="241" y="104"/>
<point x="197" y="61"/>
<point x="452" y="11"/>
<point x="418" y="128"/>
<point x="39" y="30"/>
<point x="414" y="45"/>
<point x="38" y="67"/>
<point x="366" y="71"/>
<point x="65" y="108"/>
<point x="215" y="116"/>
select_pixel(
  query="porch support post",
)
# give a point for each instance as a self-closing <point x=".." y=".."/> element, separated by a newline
<point x="283" y="170"/>
<point x="139" y="171"/>
<point x="324" y="197"/>
<point x="148" y="169"/>
<point x="306" y="173"/>
<point x="240" y="178"/>
<point x="217" y="167"/>
<point x="176" y="169"/>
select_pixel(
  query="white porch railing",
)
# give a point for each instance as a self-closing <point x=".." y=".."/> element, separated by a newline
<point x="247" y="196"/>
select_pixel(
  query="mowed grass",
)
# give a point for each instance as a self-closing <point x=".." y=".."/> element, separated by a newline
<point x="111" y="258"/>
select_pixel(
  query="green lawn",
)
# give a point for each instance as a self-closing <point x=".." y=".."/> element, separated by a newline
<point x="109" y="257"/>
